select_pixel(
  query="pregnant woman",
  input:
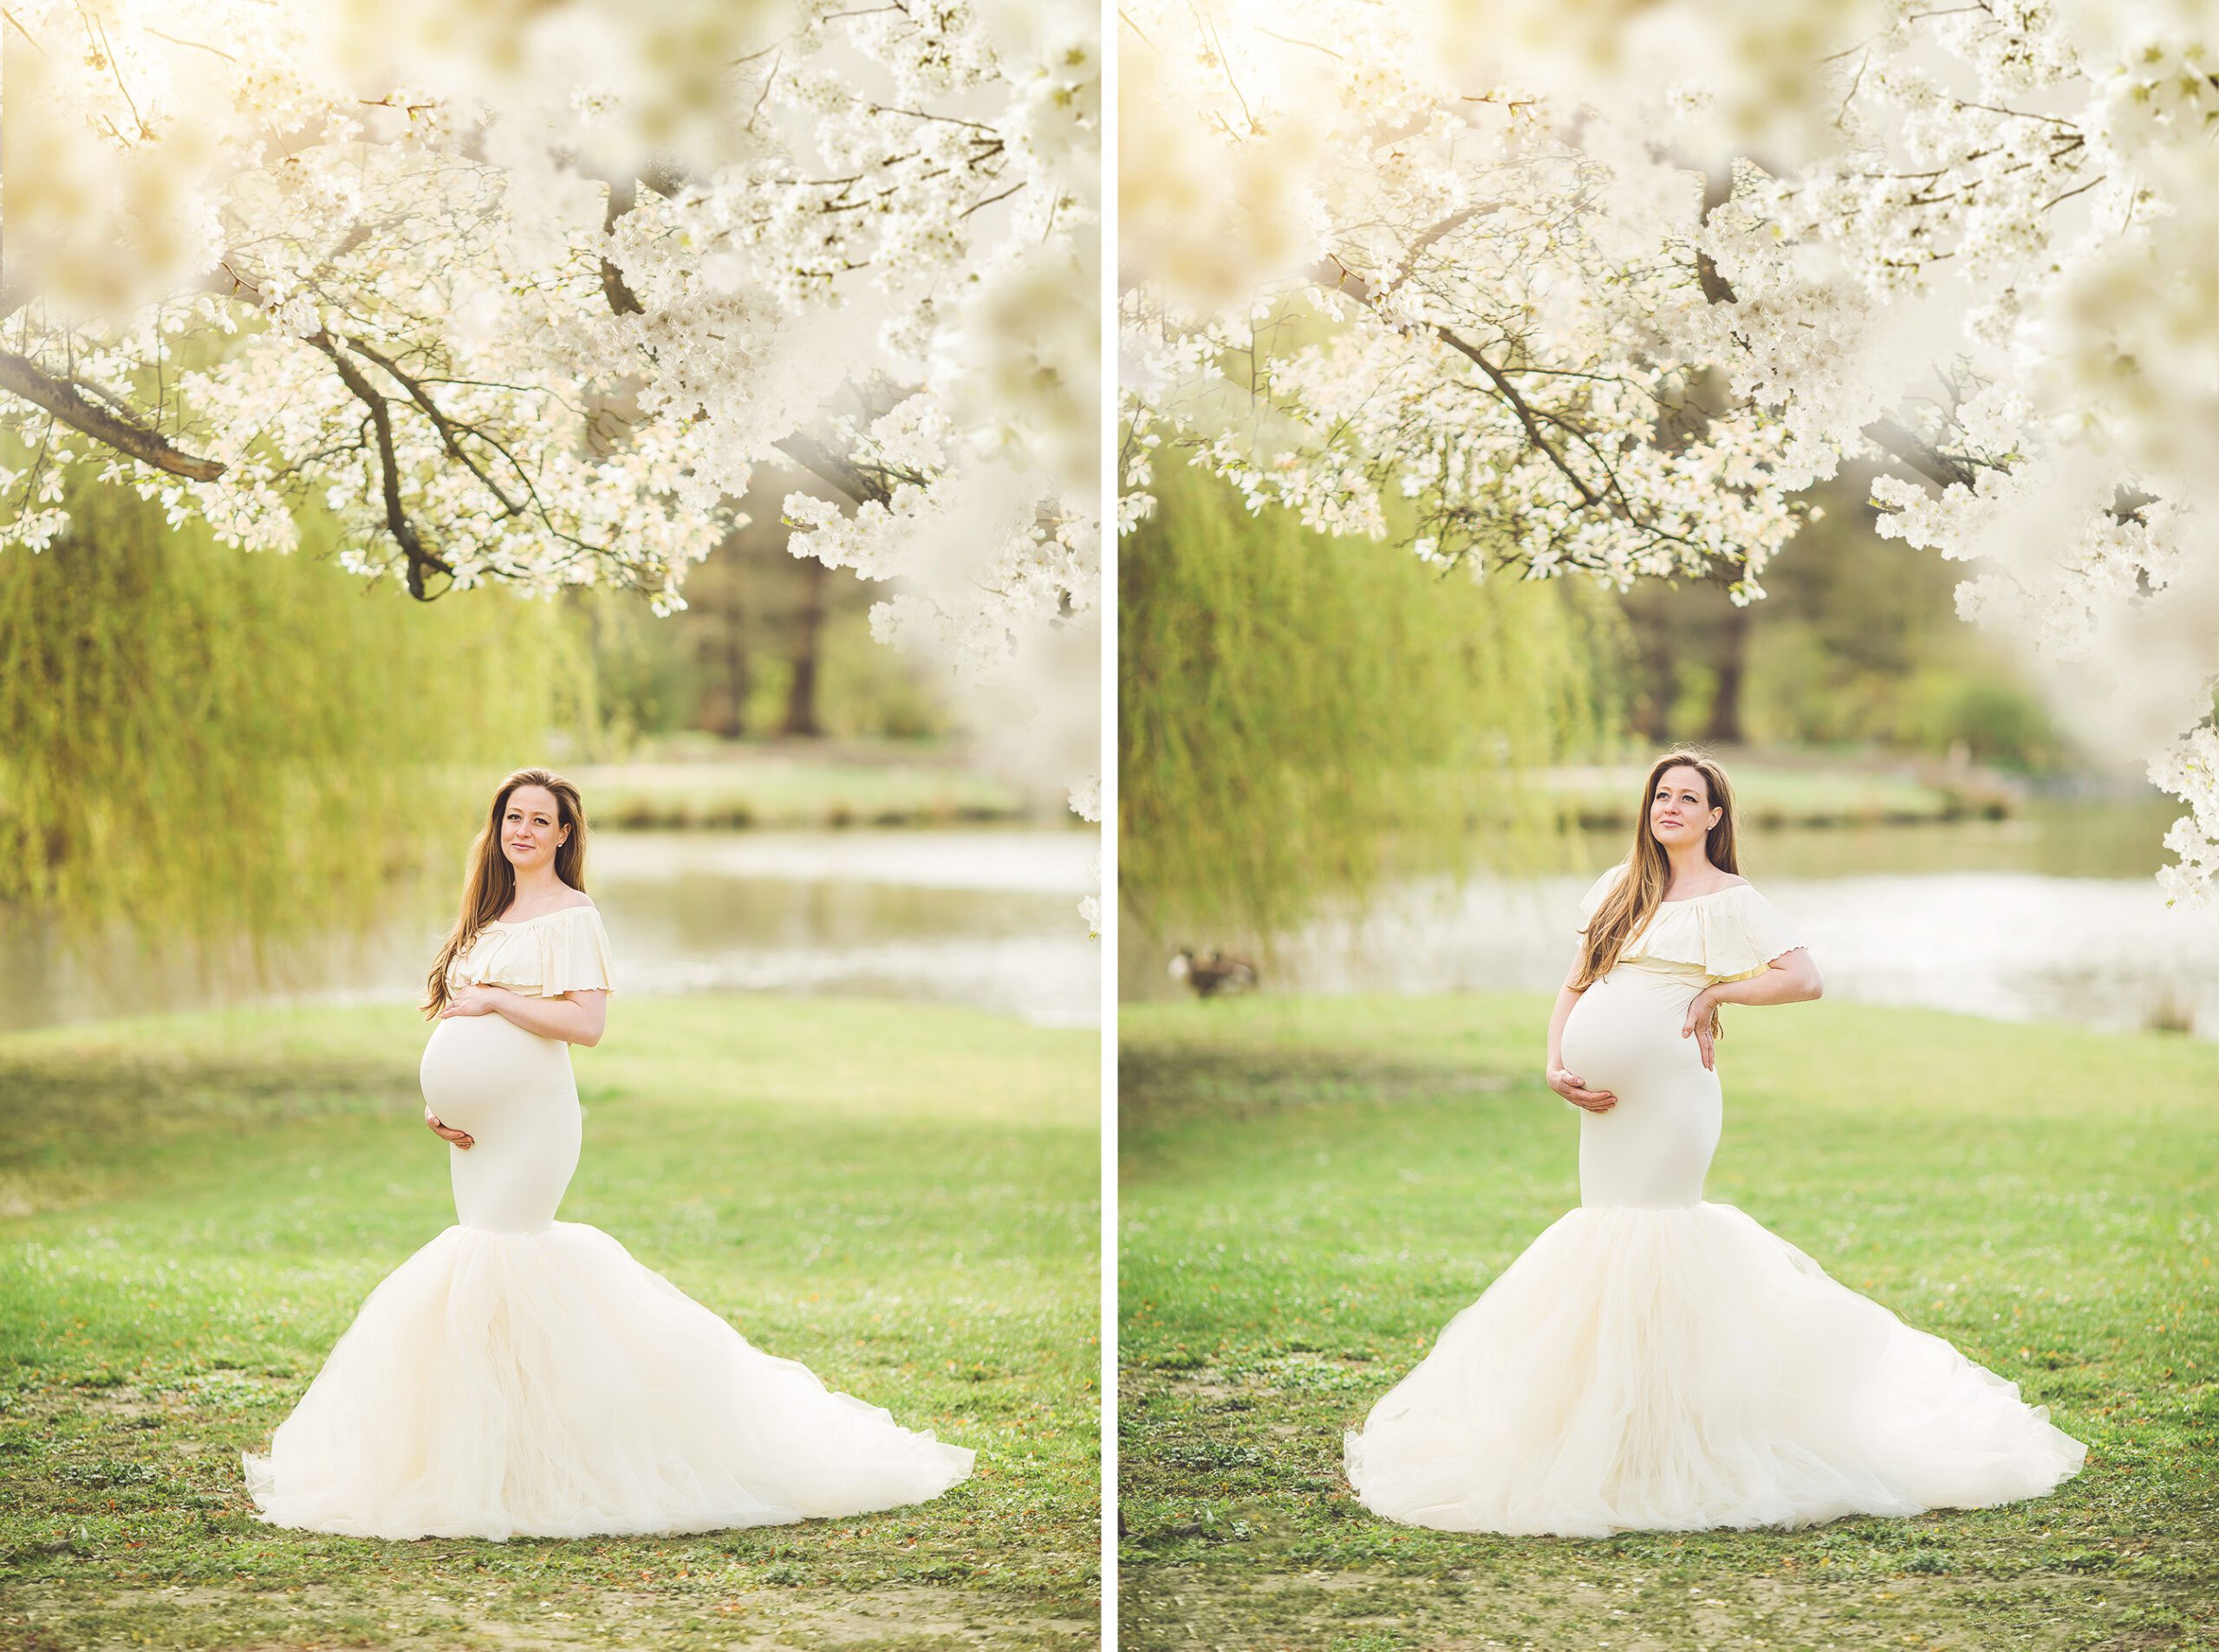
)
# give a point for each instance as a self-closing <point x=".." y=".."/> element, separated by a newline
<point x="1654" y="1362"/>
<point x="522" y="1376"/>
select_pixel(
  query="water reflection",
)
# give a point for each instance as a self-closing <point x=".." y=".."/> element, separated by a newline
<point x="2051" y="916"/>
<point x="987" y="917"/>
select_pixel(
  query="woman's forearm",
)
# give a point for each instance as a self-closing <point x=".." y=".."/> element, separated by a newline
<point x="1565" y="999"/>
<point x="1792" y="978"/>
<point x="567" y="1019"/>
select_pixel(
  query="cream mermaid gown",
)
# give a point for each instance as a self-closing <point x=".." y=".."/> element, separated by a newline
<point x="1655" y="1363"/>
<point x="521" y="1376"/>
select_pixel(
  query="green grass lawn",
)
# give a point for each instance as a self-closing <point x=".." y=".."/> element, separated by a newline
<point x="1311" y="1188"/>
<point x="191" y="1209"/>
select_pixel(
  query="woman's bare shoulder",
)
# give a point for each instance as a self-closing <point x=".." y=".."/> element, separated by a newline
<point x="574" y="900"/>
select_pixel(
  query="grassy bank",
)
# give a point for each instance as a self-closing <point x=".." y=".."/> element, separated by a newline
<point x="796" y="787"/>
<point x="902" y="1198"/>
<point x="1777" y="791"/>
<point x="1312" y="1187"/>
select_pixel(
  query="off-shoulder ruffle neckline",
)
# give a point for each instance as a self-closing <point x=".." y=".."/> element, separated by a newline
<point x="538" y="917"/>
<point x="1689" y="899"/>
<point x="550" y="953"/>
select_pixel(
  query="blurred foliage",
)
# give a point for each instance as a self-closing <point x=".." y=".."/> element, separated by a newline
<point x="1294" y="707"/>
<point x="769" y="646"/>
<point x="205" y="744"/>
<point x="1857" y="643"/>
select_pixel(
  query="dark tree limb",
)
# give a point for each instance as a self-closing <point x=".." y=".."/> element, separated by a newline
<point x="1425" y="239"/>
<point x="1517" y="403"/>
<point x="1912" y="451"/>
<point x="811" y="455"/>
<point x="1717" y="190"/>
<point x="396" y="515"/>
<point x="14" y="293"/>
<point x="451" y="434"/>
<point x="1889" y="434"/>
<point x="805" y="451"/>
<point x="623" y="195"/>
<point x="1337" y="275"/>
<point x="19" y="376"/>
<point x="620" y="301"/>
<point x="850" y="478"/>
<point x="1905" y="445"/>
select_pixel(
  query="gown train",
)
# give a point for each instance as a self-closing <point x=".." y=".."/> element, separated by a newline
<point x="1654" y="1362"/>
<point x="522" y="1376"/>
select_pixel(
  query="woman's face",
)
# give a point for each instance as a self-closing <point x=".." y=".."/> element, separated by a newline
<point x="1680" y="814"/>
<point x="532" y="828"/>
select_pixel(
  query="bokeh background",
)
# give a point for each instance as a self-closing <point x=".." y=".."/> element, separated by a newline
<point x="254" y="782"/>
<point x="1360" y="773"/>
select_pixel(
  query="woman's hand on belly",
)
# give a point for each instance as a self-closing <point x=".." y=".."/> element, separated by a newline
<point x="474" y="999"/>
<point x="447" y="1133"/>
<point x="1571" y="1087"/>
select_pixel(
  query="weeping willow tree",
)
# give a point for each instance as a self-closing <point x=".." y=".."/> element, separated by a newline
<point x="208" y="747"/>
<point x="1297" y="713"/>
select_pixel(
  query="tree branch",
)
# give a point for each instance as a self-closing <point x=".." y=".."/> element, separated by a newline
<point x="19" y="376"/>
<point x="1517" y="403"/>
<point x="1717" y="190"/>
<point x="451" y="434"/>
<point x="620" y="301"/>
<point x="396" y="515"/>
<point x="623" y="195"/>
<point x="820" y="460"/>
<point x="805" y="451"/>
<point x="1427" y="238"/>
<point x="1900" y="442"/>
<point x="1337" y="275"/>
<point x="1889" y="434"/>
<point x="15" y="290"/>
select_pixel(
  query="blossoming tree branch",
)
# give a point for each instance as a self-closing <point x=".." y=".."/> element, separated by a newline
<point x="525" y="296"/>
<point x="1601" y="291"/>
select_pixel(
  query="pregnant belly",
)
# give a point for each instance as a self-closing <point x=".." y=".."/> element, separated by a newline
<point x="480" y="1072"/>
<point x="1653" y="1148"/>
<point x="1626" y="1028"/>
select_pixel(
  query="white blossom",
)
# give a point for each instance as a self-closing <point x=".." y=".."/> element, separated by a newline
<point x="1511" y="280"/>
<point x="527" y="298"/>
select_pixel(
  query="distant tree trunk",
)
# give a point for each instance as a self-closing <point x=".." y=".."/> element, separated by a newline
<point x="740" y="679"/>
<point x="1649" y="704"/>
<point x="1725" y="726"/>
<point x="1650" y="711"/>
<point x="809" y="636"/>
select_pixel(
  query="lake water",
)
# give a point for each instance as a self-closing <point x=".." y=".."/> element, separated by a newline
<point x="2052" y="915"/>
<point x="987" y="917"/>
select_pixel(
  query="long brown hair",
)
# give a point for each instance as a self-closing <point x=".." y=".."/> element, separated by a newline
<point x="490" y="883"/>
<point x="1633" y="900"/>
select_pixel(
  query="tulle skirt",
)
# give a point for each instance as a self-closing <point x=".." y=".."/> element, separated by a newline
<point x="546" y="1385"/>
<point x="1681" y="1369"/>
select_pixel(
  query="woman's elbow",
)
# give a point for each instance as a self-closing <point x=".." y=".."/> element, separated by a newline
<point x="1812" y="986"/>
<point x="589" y="1017"/>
